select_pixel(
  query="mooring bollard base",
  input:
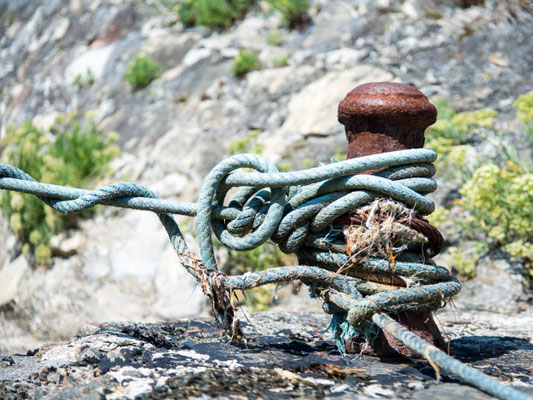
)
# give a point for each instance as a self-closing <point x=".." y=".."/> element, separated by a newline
<point x="380" y="117"/>
<point x="421" y="324"/>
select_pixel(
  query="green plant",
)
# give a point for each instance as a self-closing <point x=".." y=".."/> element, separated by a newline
<point x="141" y="71"/>
<point x="274" y="38"/>
<point x="458" y="127"/>
<point x="450" y="136"/>
<point x="186" y="12"/>
<point x="280" y="62"/>
<point x="245" y="62"/>
<point x="439" y="217"/>
<point x="249" y="144"/>
<point x="72" y="152"/>
<point x="307" y="162"/>
<point x="464" y="260"/>
<point x="496" y="203"/>
<point x="212" y="13"/>
<point x="266" y="256"/>
<point x="260" y="298"/>
<point x="499" y="201"/>
<point x="340" y="154"/>
<point x="293" y="11"/>
<point x="284" y="166"/>
<point x="84" y="80"/>
<point x="524" y="111"/>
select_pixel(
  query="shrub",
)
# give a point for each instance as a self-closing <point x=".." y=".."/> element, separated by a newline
<point x="245" y="62"/>
<point x="212" y="13"/>
<point x="293" y="11"/>
<point x="464" y="261"/>
<point x="339" y="154"/>
<point x="499" y="202"/>
<point x="263" y="257"/>
<point x="496" y="196"/>
<point x="457" y="127"/>
<point x="141" y="71"/>
<point x="439" y="217"/>
<point x="524" y="111"/>
<point x="260" y="298"/>
<point x="450" y="136"/>
<point x="185" y="10"/>
<point x="72" y="153"/>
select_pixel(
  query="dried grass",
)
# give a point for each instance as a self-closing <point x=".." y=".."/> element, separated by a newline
<point x="381" y="234"/>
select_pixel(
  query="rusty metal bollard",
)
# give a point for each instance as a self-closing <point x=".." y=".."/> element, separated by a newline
<point x="378" y="118"/>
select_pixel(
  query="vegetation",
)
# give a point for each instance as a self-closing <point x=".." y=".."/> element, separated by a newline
<point x="274" y="38"/>
<point x="141" y="71"/>
<point x="84" y="80"/>
<point x="340" y="154"/>
<point x="499" y="201"/>
<point x="496" y="194"/>
<point x="293" y="11"/>
<point x="465" y="261"/>
<point x="263" y="257"/>
<point x="72" y="152"/>
<point x="249" y="144"/>
<point x="223" y="13"/>
<point x="245" y="62"/>
<point x="280" y="62"/>
<point x="212" y="13"/>
<point x="524" y="112"/>
<point x="450" y="137"/>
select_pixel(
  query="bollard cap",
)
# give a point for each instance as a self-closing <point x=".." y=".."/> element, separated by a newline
<point x="391" y="101"/>
<point x="385" y="116"/>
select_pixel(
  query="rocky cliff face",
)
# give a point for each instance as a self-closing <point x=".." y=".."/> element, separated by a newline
<point x="176" y="129"/>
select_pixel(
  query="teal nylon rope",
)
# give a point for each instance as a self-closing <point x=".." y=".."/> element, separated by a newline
<point x="296" y="210"/>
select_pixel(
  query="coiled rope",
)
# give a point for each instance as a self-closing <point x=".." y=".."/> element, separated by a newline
<point x="298" y="210"/>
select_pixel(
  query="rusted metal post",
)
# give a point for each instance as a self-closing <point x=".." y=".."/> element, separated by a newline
<point x="385" y="116"/>
<point x="378" y="118"/>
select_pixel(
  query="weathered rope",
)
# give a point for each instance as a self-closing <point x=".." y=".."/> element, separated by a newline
<point x="298" y="210"/>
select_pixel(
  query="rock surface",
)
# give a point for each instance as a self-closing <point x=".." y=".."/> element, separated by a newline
<point x="174" y="131"/>
<point x="497" y="276"/>
<point x="285" y="356"/>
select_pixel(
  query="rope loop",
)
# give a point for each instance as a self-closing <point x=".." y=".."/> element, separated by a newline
<point x="307" y="213"/>
<point x="213" y="193"/>
<point x="272" y="205"/>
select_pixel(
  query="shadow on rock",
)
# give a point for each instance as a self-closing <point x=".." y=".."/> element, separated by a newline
<point x="477" y="348"/>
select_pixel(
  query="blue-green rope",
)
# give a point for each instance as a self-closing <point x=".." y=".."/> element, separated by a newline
<point x="296" y="210"/>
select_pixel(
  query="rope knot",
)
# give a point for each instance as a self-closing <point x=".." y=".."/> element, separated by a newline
<point x="303" y="211"/>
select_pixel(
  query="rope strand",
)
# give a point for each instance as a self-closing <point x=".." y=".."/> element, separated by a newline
<point x="297" y="210"/>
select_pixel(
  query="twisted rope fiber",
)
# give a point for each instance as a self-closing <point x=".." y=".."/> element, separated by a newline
<point x="297" y="210"/>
